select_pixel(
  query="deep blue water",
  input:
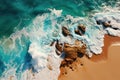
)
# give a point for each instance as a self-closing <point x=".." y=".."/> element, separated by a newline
<point x="18" y="14"/>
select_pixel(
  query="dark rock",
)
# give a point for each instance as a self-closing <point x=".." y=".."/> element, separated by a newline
<point x="52" y="43"/>
<point x="72" y="52"/>
<point x="58" y="52"/>
<point x="82" y="27"/>
<point x="78" y="32"/>
<point x="58" y="47"/>
<point x="80" y="55"/>
<point x="99" y="22"/>
<point x="82" y="49"/>
<point x="65" y="72"/>
<point x="115" y="28"/>
<point x="65" y="31"/>
<point x="81" y="64"/>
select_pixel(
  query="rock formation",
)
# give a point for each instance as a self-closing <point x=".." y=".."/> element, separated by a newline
<point x="71" y="51"/>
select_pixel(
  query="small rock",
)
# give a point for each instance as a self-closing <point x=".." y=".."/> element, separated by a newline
<point x="65" y="31"/>
<point x="78" y="32"/>
<point x="52" y="43"/>
<point x="81" y="64"/>
<point x="58" y="46"/>
<point x="106" y="24"/>
<point x="57" y="52"/>
<point x="82" y="27"/>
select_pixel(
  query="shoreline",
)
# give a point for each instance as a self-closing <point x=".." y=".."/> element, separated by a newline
<point x="108" y="40"/>
<point x="96" y="64"/>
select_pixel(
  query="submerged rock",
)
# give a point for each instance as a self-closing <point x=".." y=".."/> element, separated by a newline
<point x="106" y="24"/>
<point x="98" y="22"/>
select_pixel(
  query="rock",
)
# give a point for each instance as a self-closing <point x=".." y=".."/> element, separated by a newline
<point x="82" y="27"/>
<point x="65" y="31"/>
<point x="72" y="53"/>
<point x="82" y="49"/>
<point x="78" y="42"/>
<point x="58" y="48"/>
<point x="58" y="52"/>
<point x="106" y="24"/>
<point x="78" y="32"/>
<point x="52" y="43"/>
<point x="81" y="64"/>
<point x="99" y="22"/>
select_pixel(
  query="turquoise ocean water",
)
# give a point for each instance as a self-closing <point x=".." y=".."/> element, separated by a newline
<point x="25" y="24"/>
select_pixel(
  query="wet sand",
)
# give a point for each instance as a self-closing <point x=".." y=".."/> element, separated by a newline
<point x="99" y="67"/>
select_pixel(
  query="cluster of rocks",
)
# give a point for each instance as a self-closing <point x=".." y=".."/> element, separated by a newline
<point x="79" y="31"/>
<point x="71" y="52"/>
<point x="104" y="23"/>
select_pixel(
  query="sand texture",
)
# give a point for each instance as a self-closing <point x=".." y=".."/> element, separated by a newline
<point x="99" y="67"/>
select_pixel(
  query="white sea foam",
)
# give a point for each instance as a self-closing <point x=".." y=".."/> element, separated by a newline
<point x="113" y="32"/>
<point x="56" y="12"/>
<point x="39" y="58"/>
<point x="47" y="74"/>
<point x="44" y="73"/>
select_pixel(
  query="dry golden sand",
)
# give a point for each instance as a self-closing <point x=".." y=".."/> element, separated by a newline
<point x="99" y="67"/>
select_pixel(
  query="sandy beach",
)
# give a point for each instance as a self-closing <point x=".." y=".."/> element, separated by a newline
<point x="99" y="67"/>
